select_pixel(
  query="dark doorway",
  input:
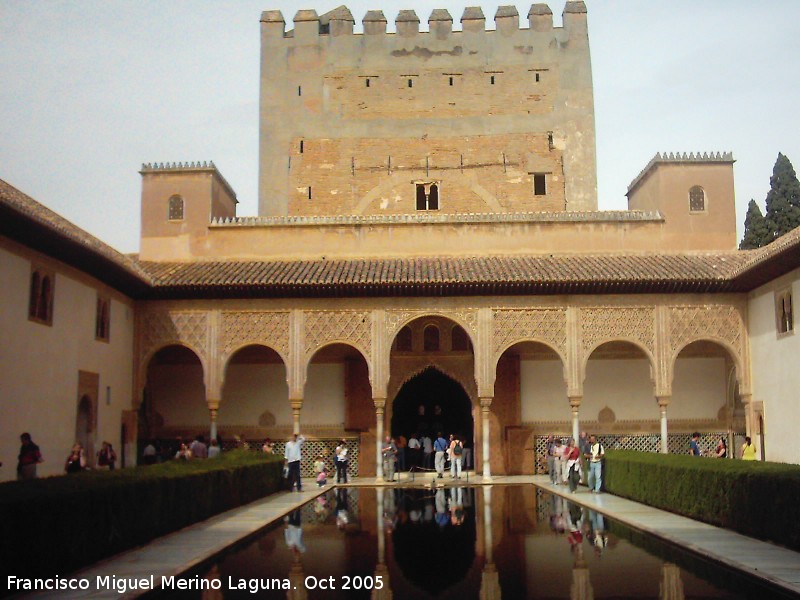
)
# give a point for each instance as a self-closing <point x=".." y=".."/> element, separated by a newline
<point x="431" y="402"/>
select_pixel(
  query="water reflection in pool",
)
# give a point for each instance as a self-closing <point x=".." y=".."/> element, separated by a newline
<point x="490" y="543"/>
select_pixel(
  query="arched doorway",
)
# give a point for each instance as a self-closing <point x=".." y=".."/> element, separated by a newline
<point x="432" y="402"/>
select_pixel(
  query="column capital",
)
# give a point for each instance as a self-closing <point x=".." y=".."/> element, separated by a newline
<point x="297" y="403"/>
<point x="575" y="401"/>
<point x="663" y="401"/>
<point x="213" y="404"/>
<point x="379" y="403"/>
<point x="486" y="402"/>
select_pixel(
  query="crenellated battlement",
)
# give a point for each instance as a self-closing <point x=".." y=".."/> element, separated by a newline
<point x="340" y="22"/>
<point x="681" y="158"/>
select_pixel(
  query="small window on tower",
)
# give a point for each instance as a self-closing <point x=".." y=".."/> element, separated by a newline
<point x="539" y="184"/>
<point x="491" y="79"/>
<point x="697" y="199"/>
<point x="427" y="196"/>
<point x="410" y="83"/>
<point x="451" y="81"/>
<point x="301" y="146"/>
<point x="176" y="208"/>
<point x="367" y="81"/>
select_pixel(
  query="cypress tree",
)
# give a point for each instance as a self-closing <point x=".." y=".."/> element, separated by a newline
<point x="756" y="232"/>
<point x="783" y="199"/>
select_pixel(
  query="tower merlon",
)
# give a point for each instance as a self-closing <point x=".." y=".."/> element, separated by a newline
<point x="574" y="16"/>
<point x="407" y="23"/>
<point x="272" y="23"/>
<point x="440" y="23"/>
<point x="506" y="19"/>
<point x="540" y="17"/>
<point x="339" y="21"/>
<point x="306" y="25"/>
<point x="374" y="22"/>
<point x="473" y="19"/>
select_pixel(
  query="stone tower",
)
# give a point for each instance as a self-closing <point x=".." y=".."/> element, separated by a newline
<point x="470" y="121"/>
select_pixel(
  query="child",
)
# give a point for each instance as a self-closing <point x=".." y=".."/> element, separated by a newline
<point x="322" y="472"/>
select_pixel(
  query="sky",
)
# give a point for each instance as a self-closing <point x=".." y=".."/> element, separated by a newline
<point x="90" y="90"/>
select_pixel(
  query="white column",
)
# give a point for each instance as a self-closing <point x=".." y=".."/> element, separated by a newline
<point x="485" y="405"/>
<point x="663" y="401"/>
<point x="380" y="403"/>
<point x="297" y="405"/>
<point x="213" y="407"/>
<point x="575" y="404"/>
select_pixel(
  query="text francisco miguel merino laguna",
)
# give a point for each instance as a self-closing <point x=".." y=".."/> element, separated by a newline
<point x="123" y="585"/>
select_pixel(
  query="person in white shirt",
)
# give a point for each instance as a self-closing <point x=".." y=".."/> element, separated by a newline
<point x="293" y="457"/>
<point x="341" y="462"/>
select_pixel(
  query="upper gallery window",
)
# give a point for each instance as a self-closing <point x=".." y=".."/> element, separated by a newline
<point x="430" y="338"/>
<point x="176" y="208"/>
<point x="40" y="302"/>
<point x="539" y="184"/>
<point x="784" y="313"/>
<point x="102" y="319"/>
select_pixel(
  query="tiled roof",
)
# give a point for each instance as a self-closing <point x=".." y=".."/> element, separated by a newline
<point x="546" y="274"/>
<point x="28" y="222"/>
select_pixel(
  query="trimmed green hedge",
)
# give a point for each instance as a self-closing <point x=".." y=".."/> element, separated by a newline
<point x="55" y="525"/>
<point x="754" y="498"/>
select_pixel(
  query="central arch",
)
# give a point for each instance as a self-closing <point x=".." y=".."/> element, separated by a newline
<point x="431" y="402"/>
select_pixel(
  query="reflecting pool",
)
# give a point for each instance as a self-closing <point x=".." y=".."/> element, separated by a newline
<point x="456" y="543"/>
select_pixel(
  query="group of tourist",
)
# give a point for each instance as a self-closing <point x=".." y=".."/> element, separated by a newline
<point x="748" y="449"/>
<point x="293" y="456"/>
<point x="565" y="461"/>
<point x="441" y="450"/>
<point x="30" y="456"/>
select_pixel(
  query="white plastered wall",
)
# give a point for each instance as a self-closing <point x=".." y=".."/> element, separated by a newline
<point x="39" y="364"/>
<point x="775" y="372"/>
<point x="624" y="386"/>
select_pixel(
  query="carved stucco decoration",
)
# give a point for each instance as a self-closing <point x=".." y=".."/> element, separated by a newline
<point x="348" y="326"/>
<point x="268" y="328"/>
<point x="467" y="318"/>
<point x="161" y="329"/>
<point x="721" y="324"/>
<point x="547" y="325"/>
<point x="607" y="324"/>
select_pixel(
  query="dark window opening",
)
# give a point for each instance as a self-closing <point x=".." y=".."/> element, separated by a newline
<point x="537" y="77"/>
<point x="539" y="184"/>
<point x="451" y="81"/>
<point x="697" y="199"/>
<point x="299" y="90"/>
<point x="175" y="208"/>
<point x="784" y="312"/>
<point x="427" y="196"/>
<point x="301" y="146"/>
<point x="433" y="197"/>
<point x="309" y="192"/>
<point x="410" y="83"/>
<point x="492" y="79"/>
<point x="367" y="82"/>
<point x="459" y="340"/>
<point x="102" y="320"/>
<point x="431" y="338"/>
<point x="404" y="340"/>
<point x="40" y="302"/>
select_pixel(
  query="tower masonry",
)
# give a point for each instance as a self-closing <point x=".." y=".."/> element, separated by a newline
<point x="473" y="121"/>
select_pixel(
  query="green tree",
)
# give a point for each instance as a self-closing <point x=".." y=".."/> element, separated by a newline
<point x="756" y="232"/>
<point x="783" y="199"/>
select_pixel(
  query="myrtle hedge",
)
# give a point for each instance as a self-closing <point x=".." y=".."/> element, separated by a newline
<point x="55" y="525"/>
<point x="752" y="497"/>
